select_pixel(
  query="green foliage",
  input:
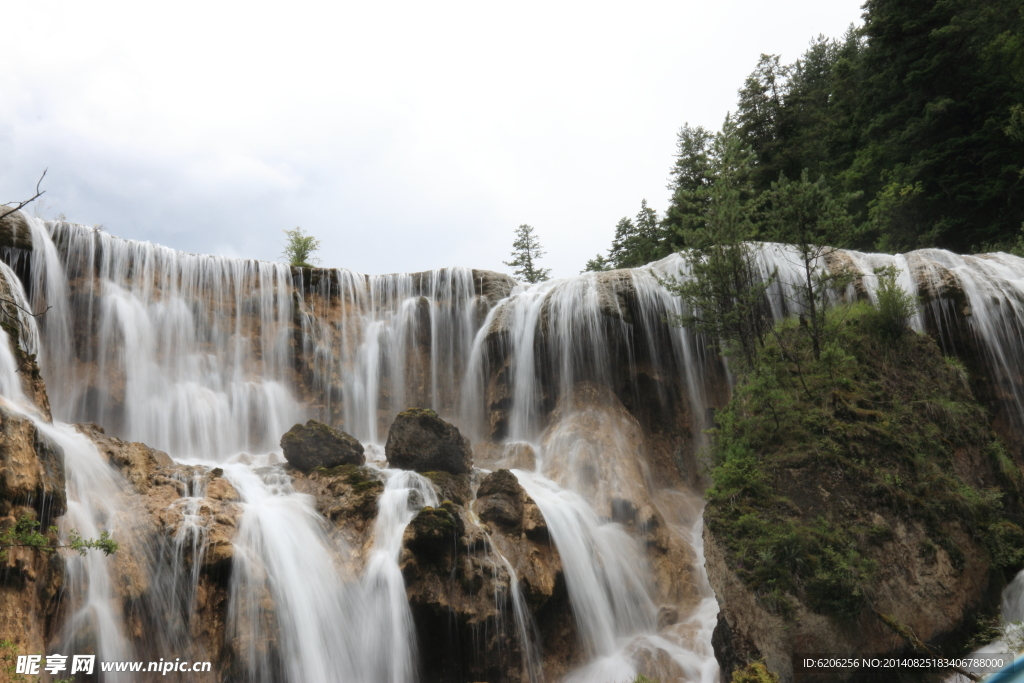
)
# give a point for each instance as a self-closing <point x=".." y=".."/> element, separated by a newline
<point x="526" y="251"/>
<point x="725" y="292"/>
<point x="918" y="116"/>
<point x="895" y="307"/>
<point x="299" y="248"/>
<point x="807" y="451"/>
<point x="808" y="215"/>
<point x="916" y="119"/>
<point x="638" y="242"/>
<point x="640" y="678"/>
<point x="9" y="665"/>
<point x="597" y="264"/>
<point x="25" y="534"/>
<point x="755" y="672"/>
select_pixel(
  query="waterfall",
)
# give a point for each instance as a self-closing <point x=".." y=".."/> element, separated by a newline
<point x="283" y="554"/>
<point x="212" y="359"/>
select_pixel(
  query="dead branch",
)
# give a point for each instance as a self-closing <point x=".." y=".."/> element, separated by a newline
<point x="39" y="193"/>
<point x="14" y="303"/>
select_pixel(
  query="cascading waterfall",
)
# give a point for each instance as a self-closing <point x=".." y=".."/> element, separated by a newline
<point x="389" y="643"/>
<point x="284" y="555"/>
<point x="211" y="359"/>
<point x="196" y="346"/>
<point x="92" y="489"/>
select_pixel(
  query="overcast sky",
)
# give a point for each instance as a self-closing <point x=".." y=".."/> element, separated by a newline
<point x="405" y="135"/>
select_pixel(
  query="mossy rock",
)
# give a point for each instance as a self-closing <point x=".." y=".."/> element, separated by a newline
<point x="315" y="444"/>
<point x="755" y="672"/>
<point x="420" y="440"/>
<point x="434" y="533"/>
<point x="500" y="500"/>
<point x="453" y="487"/>
<point x="807" y="455"/>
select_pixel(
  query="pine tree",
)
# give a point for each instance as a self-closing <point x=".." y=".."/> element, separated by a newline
<point x="725" y="291"/>
<point x="597" y="264"/>
<point x="526" y="251"/>
<point x="640" y="241"/>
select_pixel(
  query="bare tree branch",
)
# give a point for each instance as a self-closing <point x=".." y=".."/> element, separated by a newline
<point x="39" y="193"/>
<point x="14" y="303"/>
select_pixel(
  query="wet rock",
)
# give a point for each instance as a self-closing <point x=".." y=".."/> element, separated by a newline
<point x="136" y="461"/>
<point x="14" y="230"/>
<point x="318" y="445"/>
<point x="459" y="591"/>
<point x="453" y="487"/>
<point x="28" y="369"/>
<point x="432" y="536"/>
<point x="31" y="585"/>
<point x="346" y="495"/>
<point x="668" y="615"/>
<point x="517" y="455"/>
<point x="31" y="468"/>
<point x="492" y="286"/>
<point x="420" y="440"/>
<point x="500" y="500"/>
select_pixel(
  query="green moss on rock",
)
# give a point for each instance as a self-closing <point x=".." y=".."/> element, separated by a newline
<point x="807" y="452"/>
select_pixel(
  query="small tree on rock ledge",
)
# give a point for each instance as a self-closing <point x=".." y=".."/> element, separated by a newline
<point x="299" y="248"/>
<point x="526" y="251"/>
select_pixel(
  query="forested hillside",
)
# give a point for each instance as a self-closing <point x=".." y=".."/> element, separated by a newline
<point x="913" y="121"/>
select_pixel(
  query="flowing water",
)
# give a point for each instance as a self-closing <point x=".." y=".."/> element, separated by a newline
<point x="212" y="359"/>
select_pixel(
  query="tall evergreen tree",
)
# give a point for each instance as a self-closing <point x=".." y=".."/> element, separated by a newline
<point x="640" y="241"/>
<point x="692" y="175"/>
<point x="942" y="78"/>
<point x="526" y="251"/>
<point x="725" y="292"/>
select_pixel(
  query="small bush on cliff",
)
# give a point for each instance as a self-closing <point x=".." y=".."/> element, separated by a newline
<point x="299" y="248"/>
<point x="25" y="534"/>
<point x="809" y="450"/>
<point x="895" y="308"/>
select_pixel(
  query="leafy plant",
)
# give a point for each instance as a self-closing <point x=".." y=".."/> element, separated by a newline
<point x="299" y="248"/>
<point x="25" y="534"/>
<point x="895" y="307"/>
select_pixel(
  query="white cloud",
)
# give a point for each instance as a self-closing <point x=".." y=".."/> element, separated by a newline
<point x="407" y="135"/>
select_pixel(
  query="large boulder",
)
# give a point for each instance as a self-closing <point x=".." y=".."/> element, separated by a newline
<point x="420" y="440"/>
<point x="317" y="445"/>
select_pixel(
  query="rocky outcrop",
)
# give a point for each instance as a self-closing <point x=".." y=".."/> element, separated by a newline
<point x="317" y="445"/>
<point x="929" y="593"/>
<point x="492" y="286"/>
<point x="14" y="230"/>
<point x="516" y="455"/>
<point x="31" y="468"/>
<point x="168" y="514"/>
<point x="347" y="496"/>
<point x="32" y="488"/>
<point x="420" y="440"/>
<point x="460" y="588"/>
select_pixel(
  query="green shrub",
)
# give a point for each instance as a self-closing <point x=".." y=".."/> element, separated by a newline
<point x="894" y="308"/>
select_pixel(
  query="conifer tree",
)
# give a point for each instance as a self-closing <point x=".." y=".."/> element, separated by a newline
<point x="526" y="251"/>
<point x="725" y="290"/>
